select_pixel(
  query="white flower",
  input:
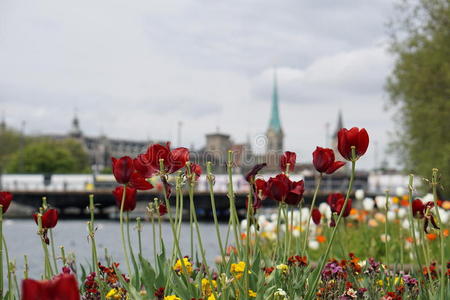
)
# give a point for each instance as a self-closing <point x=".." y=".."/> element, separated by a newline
<point x="405" y="224"/>
<point x="428" y="197"/>
<point x="368" y="204"/>
<point x="280" y="295"/>
<point x="274" y="217"/>
<point x="381" y="201"/>
<point x="444" y="215"/>
<point x="305" y="214"/>
<point x="399" y="191"/>
<point x="402" y="212"/>
<point x="270" y="226"/>
<point x="359" y="194"/>
<point x="391" y="215"/>
<point x="262" y="220"/>
<point x="296" y="233"/>
<point x="313" y="244"/>
<point x="324" y="209"/>
<point x="383" y="238"/>
<point x="244" y="225"/>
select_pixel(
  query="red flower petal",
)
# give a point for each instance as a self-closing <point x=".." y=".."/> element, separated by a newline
<point x="122" y="169"/>
<point x="139" y="182"/>
<point x="177" y="159"/>
<point x="316" y="216"/>
<point x="288" y="158"/>
<point x="61" y="287"/>
<point x="334" y="167"/>
<point x="130" y="198"/>
<point x="5" y="200"/>
<point x="323" y="158"/>
<point x="156" y="152"/>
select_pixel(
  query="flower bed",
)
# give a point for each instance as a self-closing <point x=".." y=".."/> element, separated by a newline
<point x="389" y="248"/>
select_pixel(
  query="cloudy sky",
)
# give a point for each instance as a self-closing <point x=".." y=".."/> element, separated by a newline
<point x="134" y="69"/>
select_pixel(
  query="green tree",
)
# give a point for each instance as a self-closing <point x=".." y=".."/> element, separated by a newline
<point x="419" y="87"/>
<point x="49" y="156"/>
<point x="10" y="141"/>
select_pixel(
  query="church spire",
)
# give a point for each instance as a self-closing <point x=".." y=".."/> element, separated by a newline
<point x="274" y="133"/>
<point x="275" y="123"/>
<point x="75" y="131"/>
<point x="340" y="123"/>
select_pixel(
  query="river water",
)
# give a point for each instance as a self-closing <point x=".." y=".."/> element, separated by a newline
<point x="21" y="239"/>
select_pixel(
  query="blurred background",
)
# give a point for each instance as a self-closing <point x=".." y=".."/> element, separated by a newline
<point x="83" y="81"/>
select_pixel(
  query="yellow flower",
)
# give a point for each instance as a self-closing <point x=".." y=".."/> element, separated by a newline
<point x="238" y="269"/>
<point x="283" y="268"/>
<point x="211" y="297"/>
<point x="178" y="267"/>
<point x="380" y="282"/>
<point x="172" y="297"/>
<point x="114" y="294"/>
<point x="206" y="286"/>
<point x="251" y="294"/>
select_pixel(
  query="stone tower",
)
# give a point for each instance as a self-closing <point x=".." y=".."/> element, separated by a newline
<point x="75" y="131"/>
<point x="274" y="133"/>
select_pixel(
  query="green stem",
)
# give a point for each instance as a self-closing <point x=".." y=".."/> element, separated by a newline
<point x="191" y="228"/>
<point x="122" y="231"/>
<point x="286" y="234"/>
<point x="434" y="182"/>
<point x="9" y="268"/>
<point x="174" y="230"/>
<point x="139" y="229"/>
<point x="63" y="255"/>
<point x="213" y="206"/>
<point x="92" y="233"/>
<point x="130" y="247"/>
<point x="305" y="242"/>
<point x="152" y="219"/>
<point x="197" y="228"/>
<point x="247" y="244"/>
<point x="231" y="196"/>
<point x="52" y="245"/>
<point x="333" y="234"/>
<point x="48" y="273"/>
<point x="26" y="267"/>
<point x="386" y="240"/>
<point x="276" y="253"/>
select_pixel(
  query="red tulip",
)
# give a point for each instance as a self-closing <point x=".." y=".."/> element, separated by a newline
<point x="250" y="176"/>
<point x="323" y="161"/>
<point x="288" y="158"/>
<point x="144" y="166"/>
<point x="422" y="210"/>
<point x="354" y="137"/>
<point x="261" y="188"/>
<point x="316" y="216"/>
<point x="195" y="170"/>
<point x="336" y="202"/>
<point x="122" y="169"/>
<point x="138" y="182"/>
<point x="130" y="198"/>
<point x="62" y="287"/>
<point x="282" y="189"/>
<point x="5" y="200"/>
<point x="173" y="159"/>
<point x="162" y="209"/>
<point x="49" y="219"/>
<point x="418" y="209"/>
